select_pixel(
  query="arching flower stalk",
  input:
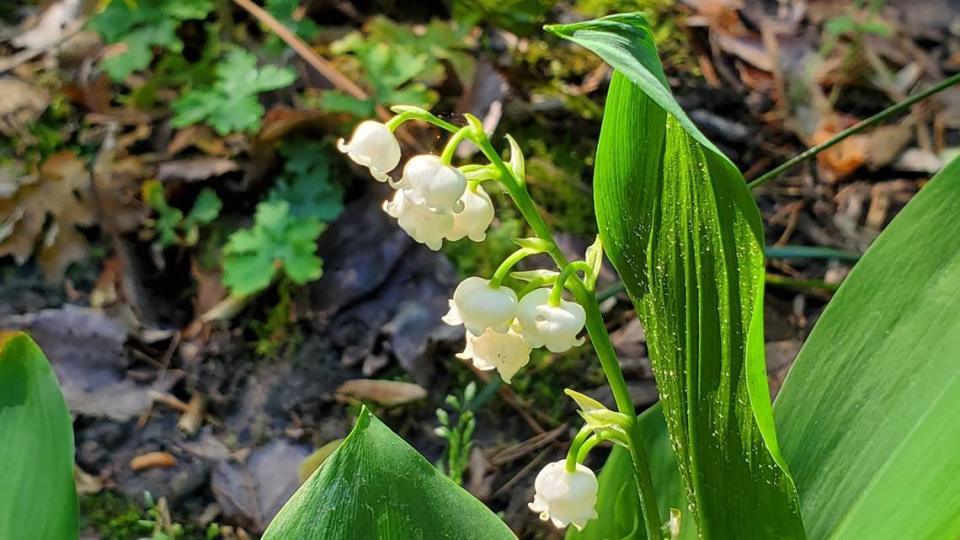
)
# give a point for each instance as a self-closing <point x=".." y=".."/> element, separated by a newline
<point x="436" y="201"/>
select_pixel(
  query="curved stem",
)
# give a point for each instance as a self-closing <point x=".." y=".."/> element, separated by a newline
<point x="598" y="438"/>
<point x="596" y="328"/>
<point x="853" y="130"/>
<point x="508" y="263"/>
<point x="453" y="143"/>
<point x="565" y="274"/>
<point x="598" y="336"/>
<point x="573" y="453"/>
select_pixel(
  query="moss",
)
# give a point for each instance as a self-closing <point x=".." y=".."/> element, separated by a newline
<point x="113" y="516"/>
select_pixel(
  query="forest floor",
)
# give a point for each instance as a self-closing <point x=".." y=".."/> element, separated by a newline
<point x="136" y="142"/>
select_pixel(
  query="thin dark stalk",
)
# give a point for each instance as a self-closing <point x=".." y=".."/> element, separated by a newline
<point x="853" y="130"/>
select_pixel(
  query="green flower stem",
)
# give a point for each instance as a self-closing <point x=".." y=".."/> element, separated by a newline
<point x="597" y="330"/>
<point x="569" y="270"/>
<point x="598" y="438"/>
<point x="596" y="327"/>
<point x="453" y="143"/>
<point x="573" y="452"/>
<point x="508" y="263"/>
<point x="535" y="284"/>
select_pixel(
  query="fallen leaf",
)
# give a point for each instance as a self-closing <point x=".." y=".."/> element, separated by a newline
<point x="200" y="137"/>
<point x="847" y="156"/>
<point x="63" y="192"/>
<point x="20" y="107"/>
<point x="386" y="393"/>
<point x="152" y="460"/>
<point x="52" y="27"/>
<point x="86" y="350"/>
<point x="196" y="169"/>
<point x="253" y="492"/>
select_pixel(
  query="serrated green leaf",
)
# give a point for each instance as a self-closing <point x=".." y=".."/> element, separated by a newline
<point x="306" y="185"/>
<point x="231" y="103"/>
<point x="868" y="414"/>
<point x="277" y="241"/>
<point x="141" y="26"/>
<point x="336" y="101"/>
<point x="206" y="208"/>
<point x="284" y="11"/>
<point x="683" y="231"/>
<point x="37" y="495"/>
<point x="375" y="486"/>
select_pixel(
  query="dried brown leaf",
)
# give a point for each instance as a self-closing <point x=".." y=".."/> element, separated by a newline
<point x="386" y="393"/>
<point x="64" y="194"/>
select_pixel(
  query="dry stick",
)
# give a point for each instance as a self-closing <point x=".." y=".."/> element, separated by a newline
<point x="853" y="130"/>
<point x="326" y="69"/>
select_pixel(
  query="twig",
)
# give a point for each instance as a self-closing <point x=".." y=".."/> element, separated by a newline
<point x="326" y="69"/>
<point x="853" y="130"/>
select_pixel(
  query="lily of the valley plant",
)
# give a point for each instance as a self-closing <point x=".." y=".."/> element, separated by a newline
<point x="510" y="313"/>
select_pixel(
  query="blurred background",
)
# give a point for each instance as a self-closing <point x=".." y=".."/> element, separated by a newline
<point x="141" y="139"/>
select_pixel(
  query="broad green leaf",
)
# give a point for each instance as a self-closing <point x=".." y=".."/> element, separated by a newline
<point x="375" y="486"/>
<point x="618" y="506"/>
<point x="683" y="231"/>
<point x="869" y="416"/>
<point x="37" y="495"/>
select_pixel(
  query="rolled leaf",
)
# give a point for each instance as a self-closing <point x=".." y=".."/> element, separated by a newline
<point x="680" y="226"/>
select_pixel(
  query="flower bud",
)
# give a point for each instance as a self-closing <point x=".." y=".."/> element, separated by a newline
<point x="421" y="223"/>
<point x="475" y="218"/>
<point x="565" y="497"/>
<point x="555" y="327"/>
<point x="478" y="306"/>
<point x="374" y="146"/>
<point x="427" y="180"/>
<point x="506" y="352"/>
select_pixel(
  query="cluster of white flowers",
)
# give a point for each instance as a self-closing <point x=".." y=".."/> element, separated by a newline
<point x="501" y="331"/>
<point x="433" y="201"/>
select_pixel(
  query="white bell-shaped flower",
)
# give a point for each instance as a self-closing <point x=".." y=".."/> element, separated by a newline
<point x="475" y="218"/>
<point x="506" y="352"/>
<point x="421" y="223"/>
<point x="565" y="497"/>
<point x="427" y="180"/>
<point x="478" y="306"/>
<point x="374" y="146"/>
<point x="555" y="327"/>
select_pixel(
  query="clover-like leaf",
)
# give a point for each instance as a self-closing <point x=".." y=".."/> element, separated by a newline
<point x="278" y="241"/>
<point x="306" y="184"/>
<point x="231" y="103"/>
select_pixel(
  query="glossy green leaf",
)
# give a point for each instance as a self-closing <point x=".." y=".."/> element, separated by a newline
<point x="618" y="507"/>
<point x="869" y="416"/>
<point x="683" y="231"/>
<point x="376" y="486"/>
<point x="37" y="495"/>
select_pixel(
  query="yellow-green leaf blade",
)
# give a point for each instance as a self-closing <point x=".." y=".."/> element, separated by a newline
<point x="37" y="495"/>
<point x="377" y="486"/>
<point x="869" y="415"/>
